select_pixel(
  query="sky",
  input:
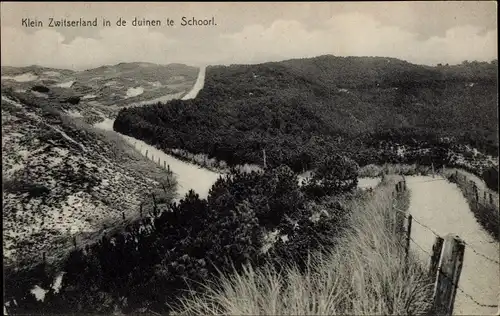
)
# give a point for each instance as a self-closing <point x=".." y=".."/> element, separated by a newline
<point x="419" y="32"/>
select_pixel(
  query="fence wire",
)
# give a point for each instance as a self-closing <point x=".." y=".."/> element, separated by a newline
<point x="437" y="235"/>
<point x="456" y="285"/>
<point x="482" y="255"/>
<point x="426" y="227"/>
<point x="470" y="297"/>
<point x="465" y="293"/>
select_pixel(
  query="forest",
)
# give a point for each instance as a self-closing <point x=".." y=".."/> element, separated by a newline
<point x="163" y="257"/>
<point x="299" y="110"/>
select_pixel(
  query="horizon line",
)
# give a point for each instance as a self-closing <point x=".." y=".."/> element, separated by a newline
<point x="200" y="65"/>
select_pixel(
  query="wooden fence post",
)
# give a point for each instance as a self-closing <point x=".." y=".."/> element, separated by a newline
<point x="155" y="208"/>
<point x="264" y="158"/>
<point x="450" y="267"/>
<point x="164" y="164"/>
<point x="476" y="194"/>
<point x="491" y="198"/>
<point x="146" y="153"/>
<point x="394" y="220"/>
<point x="436" y="255"/>
<point x="408" y="234"/>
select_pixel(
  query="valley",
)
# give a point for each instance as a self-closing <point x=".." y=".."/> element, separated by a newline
<point x="231" y="165"/>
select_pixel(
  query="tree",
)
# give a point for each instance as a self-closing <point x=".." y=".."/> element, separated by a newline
<point x="284" y="197"/>
<point x="336" y="174"/>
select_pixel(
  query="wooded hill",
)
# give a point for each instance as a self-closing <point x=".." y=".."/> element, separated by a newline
<point x="301" y="109"/>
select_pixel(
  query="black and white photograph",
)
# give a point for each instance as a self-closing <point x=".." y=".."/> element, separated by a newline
<point x="250" y="158"/>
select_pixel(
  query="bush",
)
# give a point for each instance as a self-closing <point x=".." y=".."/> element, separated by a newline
<point x="40" y="88"/>
<point x="72" y="100"/>
<point x="336" y="174"/>
<point x="20" y="186"/>
<point x="490" y="177"/>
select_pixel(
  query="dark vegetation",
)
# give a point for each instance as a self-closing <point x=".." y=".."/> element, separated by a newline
<point x="300" y="110"/>
<point x="325" y="114"/>
<point x="164" y="256"/>
<point x="490" y="176"/>
<point x="40" y="88"/>
<point x="72" y="100"/>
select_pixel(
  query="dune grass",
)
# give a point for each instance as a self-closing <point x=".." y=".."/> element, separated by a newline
<point x="365" y="274"/>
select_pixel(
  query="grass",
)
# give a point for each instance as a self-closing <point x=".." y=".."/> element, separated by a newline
<point x="365" y="275"/>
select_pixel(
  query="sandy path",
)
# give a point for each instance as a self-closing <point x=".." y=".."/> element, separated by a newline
<point x="189" y="176"/>
<point x="441" y="206"/>
<point x="198" y="85"/>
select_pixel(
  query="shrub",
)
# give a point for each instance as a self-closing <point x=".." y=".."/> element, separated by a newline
<point x="364" y="274"/>
<point x="490" y="177"/>
<point x="40" y="88"/>
<point x="336" y="174"/>
<point x="72" y="100"/>
<point x="21" y="186"/>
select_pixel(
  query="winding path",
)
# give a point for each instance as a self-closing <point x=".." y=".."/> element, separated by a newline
<point x="441" y="206"/>
<point x="434" y="202"/>
<point x="198" y="85"/>
<point x="189" y="176"/>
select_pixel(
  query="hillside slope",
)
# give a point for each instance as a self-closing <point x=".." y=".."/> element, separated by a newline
<point x="63" y="179"/>
<point x="101" y="91"/>
<point x="374" y="109"/>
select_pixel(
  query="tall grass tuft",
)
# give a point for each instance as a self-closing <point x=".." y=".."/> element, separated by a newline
<point x="365" y="274"/>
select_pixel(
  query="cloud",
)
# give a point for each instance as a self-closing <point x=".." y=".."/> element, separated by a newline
<point x="356" y="34"/>
<point x="47" y="47"/>
<point x="347" y="34"/>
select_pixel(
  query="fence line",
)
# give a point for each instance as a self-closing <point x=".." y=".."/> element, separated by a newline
<point x="437" y="235"/>
<point x="469" y="296"/>
<point x="489" y="197"/>
<point x="482" y="255"/>
<point x="461" y="290"/>
<point x="444" y="295"/>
